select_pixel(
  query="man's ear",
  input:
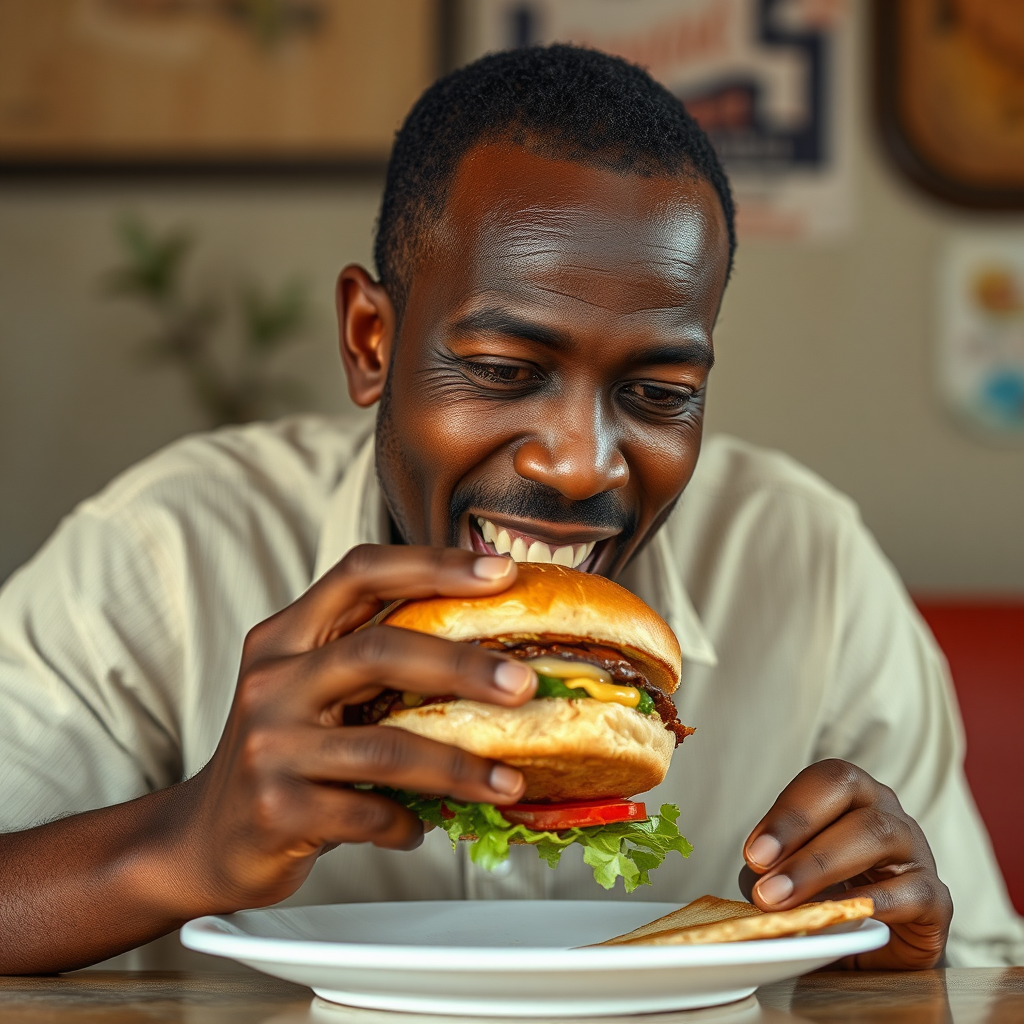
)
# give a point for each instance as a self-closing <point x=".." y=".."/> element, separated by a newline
<point x="366" y="332"/>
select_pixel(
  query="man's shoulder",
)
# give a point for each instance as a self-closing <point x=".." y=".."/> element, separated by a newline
<point x="298" y="460"/>
<point x="732" y="473"/>
<point x="752" y="513"/>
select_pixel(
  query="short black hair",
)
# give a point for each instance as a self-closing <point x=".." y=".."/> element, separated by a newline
<point x="563" y="101"/>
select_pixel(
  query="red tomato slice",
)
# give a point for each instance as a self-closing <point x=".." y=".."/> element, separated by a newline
<point x="575" y="814"/>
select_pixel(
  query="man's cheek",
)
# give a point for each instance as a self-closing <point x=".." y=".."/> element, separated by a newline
<point x="459" y="434"/>
<point x="440" y="446"/>
<point x="668" y="457"/>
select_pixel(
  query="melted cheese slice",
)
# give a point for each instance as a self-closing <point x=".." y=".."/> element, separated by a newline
<point x="563" y="668"/>
<point x="610" y="693"/>
<point x="581" y="675"/>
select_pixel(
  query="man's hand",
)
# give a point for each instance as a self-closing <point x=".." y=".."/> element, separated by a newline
<point x="278" y="791"/>
<point x="836" y="832"/>
<point x="246" y="830"/>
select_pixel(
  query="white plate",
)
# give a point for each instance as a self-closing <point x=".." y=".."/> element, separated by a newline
<point x="508" y="957"/>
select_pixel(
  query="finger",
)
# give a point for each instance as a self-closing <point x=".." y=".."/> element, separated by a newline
<point x="865" y="839"/>
<point x="913" y="896"/>
<point x="356" y="667"/>
<point x="324" y="816"/>
<point x="364" y="581"/>
<point x="746" y="882"/>
<point x="402" y="760"/>
<point x="918" y="909"/>
<point x="818" y="796"/>
<point x="748" y="879"/>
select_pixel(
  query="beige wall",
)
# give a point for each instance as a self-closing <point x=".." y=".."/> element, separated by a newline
<point x="827" y="353"/>
<point x="76" y="406"/>
<point x="824" y="352"/>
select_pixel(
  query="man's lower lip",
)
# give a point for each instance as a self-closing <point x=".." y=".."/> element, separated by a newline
<point x="523" y="549"/>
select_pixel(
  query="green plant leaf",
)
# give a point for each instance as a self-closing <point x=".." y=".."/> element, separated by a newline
<point x="269" y="319"/>
<point x="231" y="385"/>
<point x="153" y="263"/>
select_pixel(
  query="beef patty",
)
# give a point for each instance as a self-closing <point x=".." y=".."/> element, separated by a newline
<point x="613" y="662"/>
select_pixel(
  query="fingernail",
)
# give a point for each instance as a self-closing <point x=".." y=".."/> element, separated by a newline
<point x="775" y="889"/>
<point x="505" y="780"/>
<point x="764" y="851"/>
<point x="491" y="568"/>
<point x="513" y="676"/>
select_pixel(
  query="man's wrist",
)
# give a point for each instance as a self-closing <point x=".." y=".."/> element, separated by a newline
<point x="166" y="866"/>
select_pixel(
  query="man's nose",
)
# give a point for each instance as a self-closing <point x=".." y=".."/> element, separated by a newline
<point x="576" y="453"/>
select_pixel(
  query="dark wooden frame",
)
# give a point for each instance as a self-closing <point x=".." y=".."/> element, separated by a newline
<point x="885" y="31"/>
<point x="258" y="166"/>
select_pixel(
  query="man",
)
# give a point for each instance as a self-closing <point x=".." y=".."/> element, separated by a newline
<point x="554" y="241"/>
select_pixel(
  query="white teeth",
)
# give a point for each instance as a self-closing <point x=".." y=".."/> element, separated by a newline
<point x="539" y="552"/>
<point x="563" y="556"/>
<point x="524" y="550"/>
<point x="581" y="552"/>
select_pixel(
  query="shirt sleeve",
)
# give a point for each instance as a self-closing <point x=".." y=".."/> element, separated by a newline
<point x="892" y="711"/>
<point x="88" y="642"/>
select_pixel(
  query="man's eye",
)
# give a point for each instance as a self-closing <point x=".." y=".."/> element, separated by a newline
<point x="658" y="397"/>
<point x="501" y="373"/>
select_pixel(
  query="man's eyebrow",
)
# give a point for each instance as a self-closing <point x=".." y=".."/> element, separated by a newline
<point x="685" y="353"/>
<point x="500" y="321"/>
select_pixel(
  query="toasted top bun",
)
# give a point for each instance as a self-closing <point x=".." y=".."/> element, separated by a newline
<point x="566" y="749"/>
<point x="558" y="605"/>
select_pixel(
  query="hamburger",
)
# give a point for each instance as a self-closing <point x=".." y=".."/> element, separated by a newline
<point x="601" y="728"/>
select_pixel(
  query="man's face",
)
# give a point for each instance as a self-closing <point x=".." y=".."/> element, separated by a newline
<point x="546" y="392"/>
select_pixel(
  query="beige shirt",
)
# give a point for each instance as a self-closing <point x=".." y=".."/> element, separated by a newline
<point x="120" y="642"/>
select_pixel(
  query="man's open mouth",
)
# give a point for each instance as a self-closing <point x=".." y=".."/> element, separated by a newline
<point x="490" y="538"/>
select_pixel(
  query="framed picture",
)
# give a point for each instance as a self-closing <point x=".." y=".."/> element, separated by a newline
<point x="206" y="85"/>
<point x="950" y="96"/>
<point x="771" y="81"/>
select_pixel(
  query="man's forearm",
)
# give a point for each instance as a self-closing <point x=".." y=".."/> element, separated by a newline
<point x="87" y="887"/>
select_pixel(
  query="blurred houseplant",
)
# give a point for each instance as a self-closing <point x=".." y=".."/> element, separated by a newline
<point x="232" y="383"/>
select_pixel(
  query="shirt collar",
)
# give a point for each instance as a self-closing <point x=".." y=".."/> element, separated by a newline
<point x="654" y="577"/>
<point x="356" y="514"/>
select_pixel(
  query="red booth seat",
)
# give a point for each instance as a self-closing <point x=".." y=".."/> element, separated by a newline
<point x="984" y="643"/>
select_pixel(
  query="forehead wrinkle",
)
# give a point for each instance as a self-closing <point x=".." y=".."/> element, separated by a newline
<point x="659" y="312"/>
<point x="576" y="298"/>
<point x="537" y="233"/>
<point x="568" y="256"/>
<point x="623" y="260"/>
<point x="526" y="245"/>
<point x="675" y="256"/>
<point x="662" y="265"/>
<point x="637" y="284"/>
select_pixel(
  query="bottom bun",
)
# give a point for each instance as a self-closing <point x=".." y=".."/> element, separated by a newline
<point x="566" y="749"/>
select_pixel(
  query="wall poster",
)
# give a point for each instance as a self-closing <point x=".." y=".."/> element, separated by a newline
<point x="981" y="331"/>
<point x="769" y="80"/>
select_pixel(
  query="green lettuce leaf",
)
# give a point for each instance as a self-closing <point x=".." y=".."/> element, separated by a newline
<point x="626" y="849"/>
<point x="549" y="686"/>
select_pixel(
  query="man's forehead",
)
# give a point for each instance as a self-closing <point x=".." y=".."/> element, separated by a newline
<point x="513" y="216"/>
